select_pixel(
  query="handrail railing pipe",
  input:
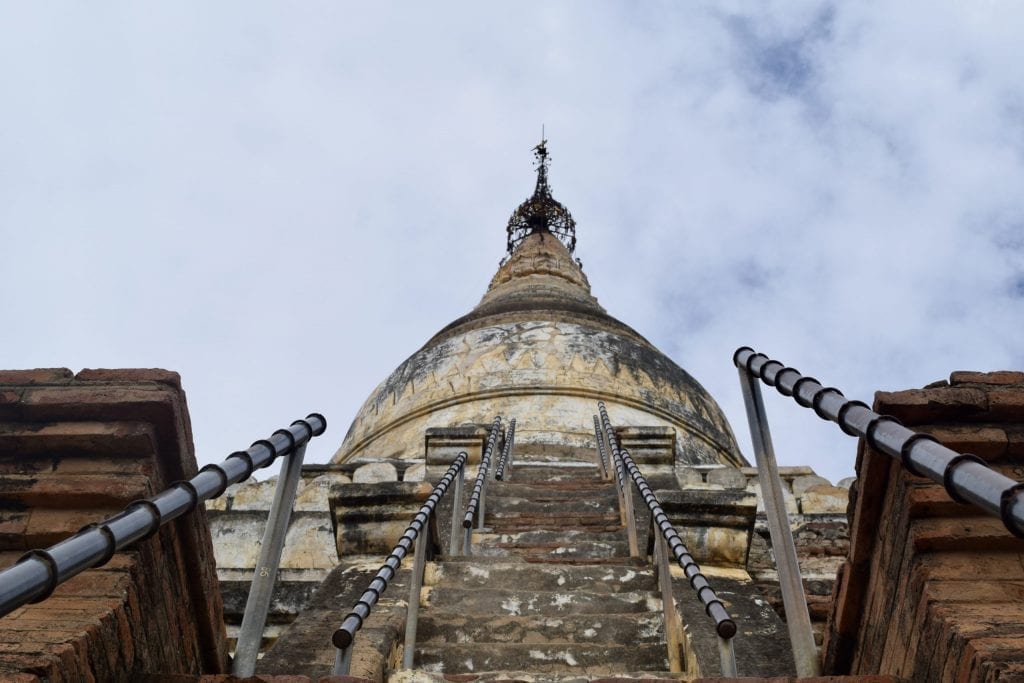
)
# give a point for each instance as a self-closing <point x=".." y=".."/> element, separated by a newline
<point x="602" y="455"/>
<point x="454" y="540"/>
<point x="798" y="620"/>
<point x="725" y="626"/>
<point x="673" y="637"/>
<point x="344" y="637"/>
<point x="625" y="494"/>
<point x="475" y="508"/>
<point x="35" y="576"/>
<point x="966" y="478"/>
<point x="506" y="453"/>
<point x="254" y="619"/>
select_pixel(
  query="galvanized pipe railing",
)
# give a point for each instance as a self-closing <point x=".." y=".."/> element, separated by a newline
<point x="602" y="454"/>
<point x="476" y="506"/>
<point x="625" y="494"/>
<point x="794" y="599"/>
<point x="725" y="626"/>
<point x="344" y="637"/>
<point x="261" y="590"/>
<point x="966" y="478"/>
<point x="35" y="576"/>
<point x="506" y="452"/>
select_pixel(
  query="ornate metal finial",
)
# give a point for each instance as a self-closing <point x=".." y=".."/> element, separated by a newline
<point x="541" y="212"/>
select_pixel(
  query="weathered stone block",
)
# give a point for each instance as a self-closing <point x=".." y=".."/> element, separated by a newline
<point x="801" y="484"/>
<point x="315" y="494"/>
<point x="374" y="472"/>
<point x="727" y="478"/>
<point x="689" y="477"/>
<point x="417" y="472"/>
<point x="824" y="499"/>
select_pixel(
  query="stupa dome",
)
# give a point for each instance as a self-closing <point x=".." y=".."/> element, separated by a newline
<point x="539" y="348"/>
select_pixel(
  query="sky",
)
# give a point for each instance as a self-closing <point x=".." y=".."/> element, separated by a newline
<point x="282" y="202"/>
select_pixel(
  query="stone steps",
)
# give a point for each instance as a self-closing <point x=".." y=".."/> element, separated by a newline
<point x="592" y="578"/>
<point x="552" y="506"/>
<point x="515" y="602"/>
<point x="520" y="676"/>
<point x="549" y="591"/>
<point x="551" y="488"/>
<point x="644" y="628"/>
<point x="562" y="658"/>
<point x="550" y="537"/>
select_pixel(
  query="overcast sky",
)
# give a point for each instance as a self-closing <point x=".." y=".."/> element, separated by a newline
<point x="282" y="203"/>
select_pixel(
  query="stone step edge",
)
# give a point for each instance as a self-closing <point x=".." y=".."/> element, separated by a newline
<point x="509" y="676"/>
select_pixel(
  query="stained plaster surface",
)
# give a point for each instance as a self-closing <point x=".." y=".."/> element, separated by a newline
<point x="541" y="349"/>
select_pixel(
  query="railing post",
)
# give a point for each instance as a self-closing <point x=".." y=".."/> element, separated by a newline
<point x="413" y="610"/>
<point x="482" y="509"/>
<point x="475" y="506"/>
<point x="250" y="634"/>
<point x="798" y="621"/>
<point x="672" y="635"/>
<point x="343" y="661"/>
<point x="625" y="493"/>
<point x="344" y="637"/>
<point x="727" y="657"/>
<point x="603" y="466"/>
<point x="453" y="541"/>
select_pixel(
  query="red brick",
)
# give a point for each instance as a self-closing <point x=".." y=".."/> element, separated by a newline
<point x="918" y="406"/>
<point x="86" y="491"/>
<point x="960" y="534"/>
<point x="13" y="526"/>
<point x="984" y="441"/>
<point x="998" y="377"/>
<point x="37" y="376"/>
<point x="47" y="526"/>
<point x="131" y="375"/>
<point x="62" y="439"/>
<point x="96" y="583"/>
<point x="1007" y="404"/>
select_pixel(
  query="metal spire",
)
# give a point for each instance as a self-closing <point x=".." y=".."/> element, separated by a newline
<point x="541" y="212"/>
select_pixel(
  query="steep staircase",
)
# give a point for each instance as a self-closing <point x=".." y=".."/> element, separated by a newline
<point x="549" y="592"/>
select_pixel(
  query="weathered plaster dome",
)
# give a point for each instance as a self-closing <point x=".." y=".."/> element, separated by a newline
<point x="538" y="347"/>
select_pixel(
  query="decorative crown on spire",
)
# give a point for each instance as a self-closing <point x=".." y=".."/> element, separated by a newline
<point x="541" y="212"/>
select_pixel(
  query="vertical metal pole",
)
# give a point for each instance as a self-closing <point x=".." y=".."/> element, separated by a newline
<point x="727" y="657"/>
<point x="481" y="508"/>
<point x="602" y="466"/>
<point x="247" y="648"/>
<point x="798" y="621"/>
<point x="453" y="543"/>
<point x="343" y="661"/>
<point x="467" y="542"/>
<point x="627" y="494"/>
<point x="667" y="602"/>
<point x="413" y="612"/>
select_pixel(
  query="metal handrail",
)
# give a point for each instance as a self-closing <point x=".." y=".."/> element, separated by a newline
<point x="966" y="478"/>
<point x="787" y="564"/>
<point x="602" y="455"/>
<point x="477" y="504"/>
<point x="344" y="637"/>
<point x="506" y="452"/>
<point x="35" y="576"/>
<point x="725" y="626"/>
<point x="625" y="495"/>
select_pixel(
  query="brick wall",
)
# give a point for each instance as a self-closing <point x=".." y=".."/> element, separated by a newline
<point x="75" y="449"/>
<point x="934" y="590"/>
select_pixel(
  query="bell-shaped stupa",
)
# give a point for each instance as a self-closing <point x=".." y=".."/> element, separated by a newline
<point x="540" y="348"/>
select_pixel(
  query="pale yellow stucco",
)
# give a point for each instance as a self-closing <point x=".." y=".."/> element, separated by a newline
<point x="541" y="349"/>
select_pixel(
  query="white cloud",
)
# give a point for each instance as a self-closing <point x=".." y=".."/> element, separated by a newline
<point x="282" y="205"/>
